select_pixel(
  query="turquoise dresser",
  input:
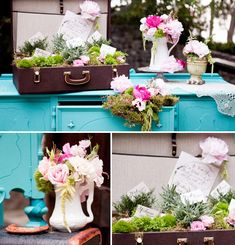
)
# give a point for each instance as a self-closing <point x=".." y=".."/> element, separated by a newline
<point x="20" y="154"/>
<point x="83" y="111"/>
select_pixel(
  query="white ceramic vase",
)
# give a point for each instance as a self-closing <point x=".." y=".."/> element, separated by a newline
<point x="75" y="217"/>
<point x="159" y="54"/>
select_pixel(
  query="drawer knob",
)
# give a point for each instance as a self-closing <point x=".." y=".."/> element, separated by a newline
<point x="71" y="124"/>
<point x="159" y="125"/>
<point x="182" y="241"/>
<point x="139" y="238"/>
<point x="209" y="240"/>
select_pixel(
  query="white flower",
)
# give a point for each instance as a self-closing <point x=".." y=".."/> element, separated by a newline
<point x="149" y="35"/>
<point x="77" y="150"/>
<point x="143" y="27"/>
<point x="164" y="17"/>
<point x="90" y="10"/>
<point x="84" y="143"/>
<point x="143" y="20"/>
<point x="139" y="103"/>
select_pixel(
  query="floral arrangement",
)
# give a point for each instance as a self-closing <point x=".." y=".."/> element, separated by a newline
<point x="154" y="27"/>
<point x="215" y="213"/>
<point x="63" y="170"/>
<point x="63" y="53"/>
<point x="195" y="49"/>
<point x="138" y="104"/>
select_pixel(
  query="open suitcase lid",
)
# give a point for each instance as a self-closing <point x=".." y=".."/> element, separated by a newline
<point x="30" y="17"/>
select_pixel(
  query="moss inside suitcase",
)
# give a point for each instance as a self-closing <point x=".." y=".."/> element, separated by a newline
<point x="30" y="17"/>
<point x="212" y="237"/>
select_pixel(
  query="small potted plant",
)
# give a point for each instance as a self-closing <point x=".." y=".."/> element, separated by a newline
<point x="198" y="55"/>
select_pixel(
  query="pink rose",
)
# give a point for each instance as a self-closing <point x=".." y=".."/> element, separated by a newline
<point x="78" y="63"/>
<point x="44" y="166"/>
<point x="101" y="58"/>
<point x="121" y="59"/>
<point x="207" y="220"/>
<point x="141" y="92"/>
<point x="85" y="59"/>
<point x="58" y="174"/>
<point x="121" y="83"/>
<point x="90" y="10"/>
<point x="153" y="21"/>
<point x="197" y="226"/>
<point x="214" y="150"/>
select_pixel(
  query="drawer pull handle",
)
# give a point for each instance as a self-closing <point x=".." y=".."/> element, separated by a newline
<point x="182" y="241"/>
<point x="86" y="78"/>
<point x="71" y="124"/>
<point x="139" y="237"/>
<point x="36" y="76"/>
<point x="159" y="125"/>
<point x="209" y="240"/>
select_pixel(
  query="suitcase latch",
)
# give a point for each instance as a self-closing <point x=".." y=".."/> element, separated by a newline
<point x="139" y="237"/>
<point x="36" y="75"/>
<point x="182" y="241"/>
<point x="209" y="240"/>
<point x="115" y="71"/>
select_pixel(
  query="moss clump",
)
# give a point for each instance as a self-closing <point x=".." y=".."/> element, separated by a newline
<point x="122" y="226"/>
<point x="42" y="184"/>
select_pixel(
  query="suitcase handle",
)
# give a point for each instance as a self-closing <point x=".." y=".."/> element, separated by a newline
<point x="86" y="78"/>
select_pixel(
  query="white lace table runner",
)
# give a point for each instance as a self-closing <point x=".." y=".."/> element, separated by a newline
<point x="222" y="93"/>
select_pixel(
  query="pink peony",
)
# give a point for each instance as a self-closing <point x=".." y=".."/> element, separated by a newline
<point x="85" y="59"/>
<point x="139" y="103"/>
<point x="182" y="63"/>
<point x="207" y="220"/>
<point x="78" y="62"/>
<point x="214" y="150"/>
<point x="121" y="83"/>
<point x="231" y="218"/>
<point x="141" y="92"/>
<point x="90" y="10"/>
<point x="77" y="150"/>
<point x="195" y="47"/>
<point x="171" y="65"/>
<point x="153" y="21"/>
<point x="197" y="226"/>
<point x="44" y="166"/>
<point x="158" y="86"/>
<point x="58" y="174"/>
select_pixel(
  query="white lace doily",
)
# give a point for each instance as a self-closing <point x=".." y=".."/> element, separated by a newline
<point x="222" y="93"/>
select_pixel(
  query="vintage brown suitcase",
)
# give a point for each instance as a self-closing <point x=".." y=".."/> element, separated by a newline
<point x="66" y="79"/>
<point x="218" y="237"/>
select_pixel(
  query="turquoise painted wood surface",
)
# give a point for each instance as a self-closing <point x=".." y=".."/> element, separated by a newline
<point x="82" y="111"/>
<point x="20" y="154"/>
<point x="95" y="118"/>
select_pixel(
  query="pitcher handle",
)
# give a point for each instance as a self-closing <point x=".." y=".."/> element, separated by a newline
<point x="90" y="199"/>
<point x="173" y="45"/>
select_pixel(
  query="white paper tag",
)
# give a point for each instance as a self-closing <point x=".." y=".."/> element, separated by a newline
<point x="41" y="53"/>
<point x="74" y="26"/>
<point x="96" y="36"/>
<point x="142" y="211"/>
<point x="75" y="42"/>
<point x="106" y="49"/>
<point x="193" y="197"/>
<point x="140" y="188"/>
<point x="223" y="187"/>
<point x="191" y="174"/>
<point x="36" y="37"/>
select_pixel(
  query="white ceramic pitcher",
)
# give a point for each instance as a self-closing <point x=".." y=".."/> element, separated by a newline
<point x="75" y="217"/>
<point x="160" y="54"/>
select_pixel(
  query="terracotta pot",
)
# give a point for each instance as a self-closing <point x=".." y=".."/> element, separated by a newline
<point x="196" y="67"/>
